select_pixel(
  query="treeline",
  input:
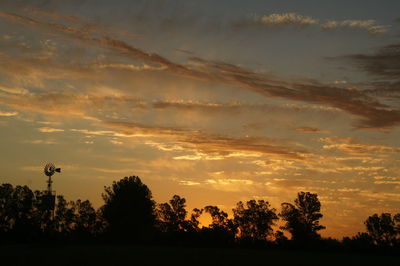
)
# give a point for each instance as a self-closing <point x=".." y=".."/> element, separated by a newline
<point x="130" y="215"/>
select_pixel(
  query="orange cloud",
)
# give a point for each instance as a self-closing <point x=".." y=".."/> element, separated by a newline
<point x="353" y="147"/>
<point x="207" y="143"/>
<point x="310" y="130"/>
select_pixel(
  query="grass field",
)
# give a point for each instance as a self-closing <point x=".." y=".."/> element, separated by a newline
<point x="145" y="255"/>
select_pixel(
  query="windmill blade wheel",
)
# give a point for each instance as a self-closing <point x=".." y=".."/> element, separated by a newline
<point x="49" y="169"/>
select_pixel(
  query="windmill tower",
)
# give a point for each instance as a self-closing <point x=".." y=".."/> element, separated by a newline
<point x="49" y="198"/>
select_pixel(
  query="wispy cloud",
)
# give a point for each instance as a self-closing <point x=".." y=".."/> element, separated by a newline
<point x="4" y="113"/>
<point x="127" y="171"/>
<point x="383" y="66"/>
<point x="310" y="130"/>
<point x="71" y="105"/>
<point x="128" y="67"/>
<point x="387" y="182"/>
<point x="108" y="133"/>
<point x="50" y="130"/>
<point x="212" y="144"/>
<point x="298" y="21"/>
<point x="189" y="183"/>
<point x="370" y="26"/>
<point x="286" y="19"/>
<point x="354" y="147"/>
<point x="384" y="63"/>
<point x="375" y="114"/>
<point x="41" y="141"/>
<point x="88" y="26"/>
<point x="229" y="184"/>
<point x="20" y="91"/>
<point x="116" y="142"/>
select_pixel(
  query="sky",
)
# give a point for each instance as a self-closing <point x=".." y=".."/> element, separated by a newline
<point x="216" y="101"/>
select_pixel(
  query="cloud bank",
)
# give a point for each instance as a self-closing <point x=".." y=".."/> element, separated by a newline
<point x="373" y="113"/>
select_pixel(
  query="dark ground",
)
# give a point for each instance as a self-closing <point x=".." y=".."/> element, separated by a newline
<point x="149" y="255"/>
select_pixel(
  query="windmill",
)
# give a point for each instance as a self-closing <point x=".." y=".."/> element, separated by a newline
<point x="49" y="199"/>
<point x="49" y="170"/>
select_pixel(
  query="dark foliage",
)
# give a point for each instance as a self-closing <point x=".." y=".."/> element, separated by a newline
<point x="129" y="215"/>
<point x="129" y="210"/>
<point x="302" y="218"/>
<point x="255" y="220"/>
<point x="222" y="230"/>
<point x="25" y="218"/>
<point x="359" y="241"/>
<point x="384" y="229"/>
<point x="172" y="215"/>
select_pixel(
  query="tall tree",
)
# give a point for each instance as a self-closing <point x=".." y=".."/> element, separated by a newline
<point x="255" y="220"/>
<point x="302" y="218"/>
<point x="129" y="209"/>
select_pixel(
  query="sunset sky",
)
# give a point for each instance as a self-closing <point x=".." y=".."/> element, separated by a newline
<point x="216" y="101"/>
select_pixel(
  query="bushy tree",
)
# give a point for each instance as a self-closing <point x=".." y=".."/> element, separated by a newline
<point x="302" y="218"/>
<point x="25" y="216"/>
<point x="6" y="207"/>
<point x="64" y="218"/>
<point x="86" y="218"/>
<point x="221" y="229"/>
<point x="384" y="229"/>
<point x="129" y="209"/>
<point x="172" y="216"/>
<point x="255" y="220"/>
<point x="219" y="218"/>
<point x="17" y="211"/>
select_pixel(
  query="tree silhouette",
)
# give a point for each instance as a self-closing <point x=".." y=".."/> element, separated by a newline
<point x="194" y="219"/>
<point x="129" y="215"/>
<point x="359" y="241"/>
<point x="64" y="218"/>
<point x="219" y="218"/>
<point x="280" y="238"/>
<point x="75" y="219"/>
<point x="222" y="229"/>
<point x="17" y="211"/>
<point x="86" y="218"/>
<point x="255" y="220"/>
<point x="42" y="215"/>
<point x="383" y="229"/>
<point x="129" y="209"/>
<point x="7" y="215"/>
<point x="302" y="218"/>
<point x="172" y="215"/>
<point x="396" y="220"/>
